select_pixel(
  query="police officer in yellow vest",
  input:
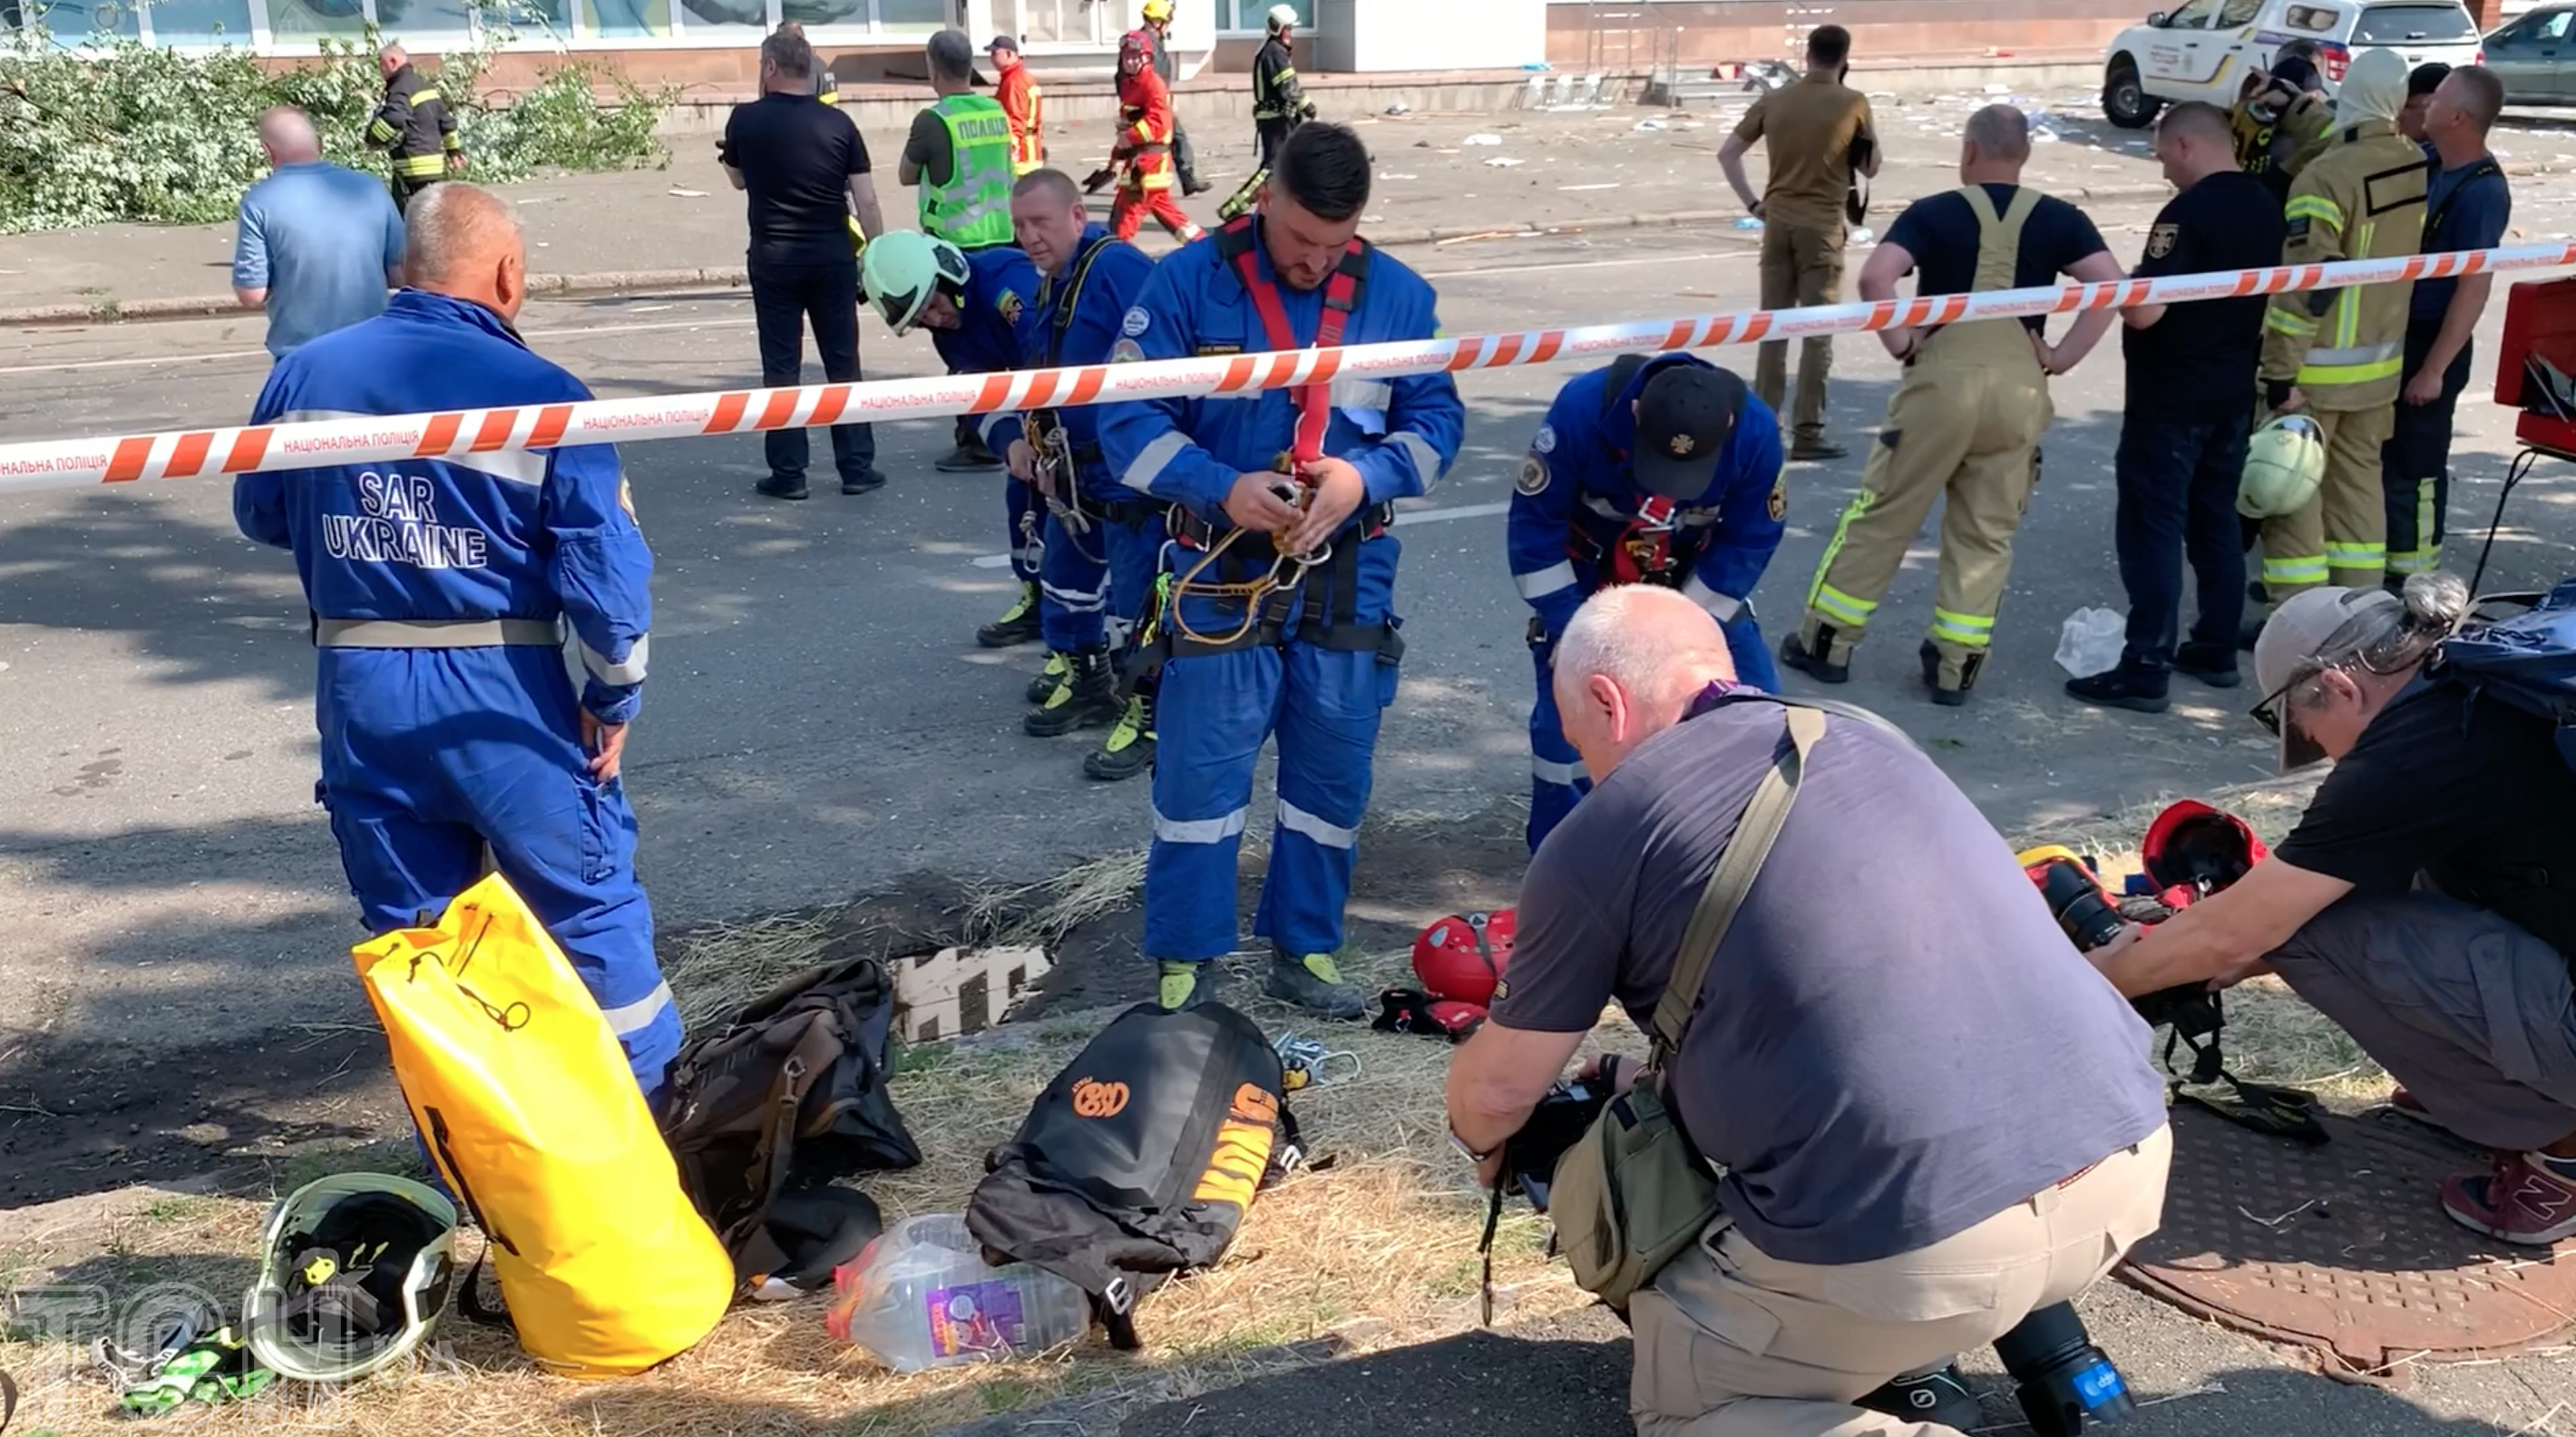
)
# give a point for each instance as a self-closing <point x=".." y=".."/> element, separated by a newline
<point x="1966" y="422"/>
<point x="2336" y="354"/>
<point x="959" y="155"/>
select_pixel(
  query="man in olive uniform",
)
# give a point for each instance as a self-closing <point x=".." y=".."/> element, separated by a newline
<point x="1966" y="422"/>
<point x="414" y="128"/>
<point x="2339" y="355"/>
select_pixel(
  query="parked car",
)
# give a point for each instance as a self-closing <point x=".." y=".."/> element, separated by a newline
<point x="2204" y="49"/>
<point x="2535" y="56"/>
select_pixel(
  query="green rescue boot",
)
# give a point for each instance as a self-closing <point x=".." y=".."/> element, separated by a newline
<point x="1050" y="674"/>
<point x="1188" y="985"/>
<point x="1129" y="749"/>
<point x="1314" y="984"/>
<point x="1088" y="698"/>
<point x="1018" y="624"/>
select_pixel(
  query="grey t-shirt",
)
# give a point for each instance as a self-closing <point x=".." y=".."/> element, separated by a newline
<point x="1894" y="1043"/>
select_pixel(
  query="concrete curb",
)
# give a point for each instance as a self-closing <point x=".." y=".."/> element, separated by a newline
<point x="646" y="281"/>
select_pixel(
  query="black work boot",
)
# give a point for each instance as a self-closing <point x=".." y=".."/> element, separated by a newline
<point x="1187" y="985"/>
<point x="2211" y="664"/>
<point x="1807" y="451"/>
<point x="2139" y="690"/>
<point x="1129" y="748"/>
<point x="1942" y="694"/>
<point x="969" y="455"/>
<point x="1939" y="1397"/>
<point x="1050" y="674"/>
<point x="1815" y="663"/>
<point x="1088" y="698"/>
<point x="782" y="486"/>
<point x="1314" y="984"/>
<point x="1018" y="624"/>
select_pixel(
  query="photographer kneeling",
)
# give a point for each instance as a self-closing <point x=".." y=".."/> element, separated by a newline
<point x="2427" y="900"/>
<point x="1932" y="1119"/>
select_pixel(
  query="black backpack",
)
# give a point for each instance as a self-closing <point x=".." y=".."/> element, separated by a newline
<point x="1141" y="1158"/>
<point x="2528" y="660"/>
<point x="788" y="1096"/>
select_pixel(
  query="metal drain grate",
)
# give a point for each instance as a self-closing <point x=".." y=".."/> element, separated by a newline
<point x="2344" y="1248"/>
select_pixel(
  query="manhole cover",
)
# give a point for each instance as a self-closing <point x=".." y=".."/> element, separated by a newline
<point x="2344" y="1248"/>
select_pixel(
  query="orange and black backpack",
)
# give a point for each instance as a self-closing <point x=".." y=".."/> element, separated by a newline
<point x="1140" y="1160"/>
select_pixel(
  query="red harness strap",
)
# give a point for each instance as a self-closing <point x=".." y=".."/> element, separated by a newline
<point x="1341" y="296"/>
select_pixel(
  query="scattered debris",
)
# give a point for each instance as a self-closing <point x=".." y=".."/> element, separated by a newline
<point x="1399" y="108"/>
<point x="688" y="194"/>
<point x="1383" y="175"/>
<point x="1749" y="223"/>
<point x="1569" y="189"/>
<point x="1481" y="138"/>
<point x="1505" y="162"/>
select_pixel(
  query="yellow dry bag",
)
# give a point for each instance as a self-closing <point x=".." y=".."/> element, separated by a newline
<point x="528" y="1107"/>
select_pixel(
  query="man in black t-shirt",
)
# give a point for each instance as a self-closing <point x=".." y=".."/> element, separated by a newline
<point x="1965" y="425"/>
<point x="805" y="170"/>
<point x="2424" y="900"/>
<point x="1866" y="1070"/>
<point x="2191" y="396"/>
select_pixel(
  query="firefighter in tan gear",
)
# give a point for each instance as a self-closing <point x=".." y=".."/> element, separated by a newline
<point x="2336" y="355"/>
<point x="1966" y="421"/>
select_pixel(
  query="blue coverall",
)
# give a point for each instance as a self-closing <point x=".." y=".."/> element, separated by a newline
<point x="1575" y="502"/>
<point x="429" y="753"/>
<point x="1087" y="579"/>
<point x="1216" y="710"/>
<point x="997" y="313"/>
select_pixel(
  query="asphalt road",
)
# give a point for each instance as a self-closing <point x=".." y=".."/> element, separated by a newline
<point x="820" y="722"/>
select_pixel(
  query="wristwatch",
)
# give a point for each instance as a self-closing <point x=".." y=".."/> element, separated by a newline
<point x="1464" y="1151"/>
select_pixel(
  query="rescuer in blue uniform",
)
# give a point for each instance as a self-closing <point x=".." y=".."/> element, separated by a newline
<point x="978" y="310"/>
<point x="1307" y="650"/>
<point x="1103" y="541"/>
<point x="441" y="590"/>
<point x="1660" y="470"/>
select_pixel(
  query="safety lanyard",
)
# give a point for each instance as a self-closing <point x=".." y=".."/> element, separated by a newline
<point x="1341" y="295"/>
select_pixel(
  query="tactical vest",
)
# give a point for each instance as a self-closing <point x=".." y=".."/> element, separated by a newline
<point x="973" y="210"/>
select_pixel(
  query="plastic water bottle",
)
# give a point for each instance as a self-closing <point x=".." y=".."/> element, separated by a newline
<point x="922" y="1296"/>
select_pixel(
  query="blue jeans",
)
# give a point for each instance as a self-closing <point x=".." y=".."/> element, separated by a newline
<point x="2177" y="481"/>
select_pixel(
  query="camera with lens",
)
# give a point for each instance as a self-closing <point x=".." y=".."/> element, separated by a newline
<point x="1556" y="1124"/>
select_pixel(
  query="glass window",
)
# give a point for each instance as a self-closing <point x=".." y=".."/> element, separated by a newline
<point x="814" y="14"/>
<point x="747" y="18"/>
<point x="507" y="20"/>
<point x="2412" y="24"/>
<point x="76" y="21"/>
<point x="1253" y="15"/>
<point x="418" y="22"/>
<point x="2193" y="16"/>
<point x="2554" y="26"/>
<point x="200" y="22"/>
<point x="626" y="19"/>
<point x="2239" y="12"/>
<point x="2315" y="19"/>
<point x="292" y="20"/>
<point x="912" y="17"/>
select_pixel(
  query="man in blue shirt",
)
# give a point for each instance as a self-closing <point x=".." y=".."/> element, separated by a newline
<point x="2467" y="205"/>
<point x="1281" y="617"/>
<point x="1102" y="541"/>
<point x="979" y="310"/>
<point x="1656" y="470"/>
<point x="442" y="590"/>
<point x="316" y="245"/>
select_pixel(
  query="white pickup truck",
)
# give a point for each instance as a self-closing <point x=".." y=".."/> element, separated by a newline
<point x="2203" y="49"/>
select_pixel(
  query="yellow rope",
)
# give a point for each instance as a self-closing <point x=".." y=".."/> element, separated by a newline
<point x="1253" y="593"/>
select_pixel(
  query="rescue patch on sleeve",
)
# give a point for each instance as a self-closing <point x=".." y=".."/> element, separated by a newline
<point x="2160" y="240"/>
<point x="1010" y="306"/>
<point x="1544" y="441"/>
<point x="1779" y="505"/>
<point x="1534" y="476"/>
<point x="1126" y="351"/>
<point x="1136" y="322"/>
<point x="2299" y="230"/>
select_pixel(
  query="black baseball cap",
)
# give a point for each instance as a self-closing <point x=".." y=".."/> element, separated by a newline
<point x="1684" y="416"/>
<point x="1000" y="43"/>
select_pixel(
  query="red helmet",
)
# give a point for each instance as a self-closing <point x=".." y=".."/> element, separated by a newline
<point x="1135" y="52"/>
<point x="2193" y="850"/>
<point x="1462" y="957"/>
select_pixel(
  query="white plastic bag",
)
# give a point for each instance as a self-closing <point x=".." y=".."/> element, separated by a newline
<point x="2090" y="642"/>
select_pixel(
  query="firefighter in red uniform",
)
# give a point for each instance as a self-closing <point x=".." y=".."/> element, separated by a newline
<point x="1018" y="95"/>
<point x="1144" y="146"/>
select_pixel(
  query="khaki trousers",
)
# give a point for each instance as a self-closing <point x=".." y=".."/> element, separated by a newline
<point x="2341" y="537"/>
<point x="1731" y="1343"/>
<point x="1803" y="267"/>
<point x="1962" y="427"/>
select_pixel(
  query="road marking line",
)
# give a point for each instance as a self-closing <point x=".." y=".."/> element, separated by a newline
<point x="1404" y="518"/>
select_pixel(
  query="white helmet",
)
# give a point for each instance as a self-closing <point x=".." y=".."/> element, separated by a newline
<point x="2285" y="463"/>
<point x="1282" y="17"/>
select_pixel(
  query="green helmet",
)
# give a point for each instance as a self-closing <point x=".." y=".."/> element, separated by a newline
<point x="2284" y="463"/>
<point x="902" y="268"/>
<point x="354" y="1273"/>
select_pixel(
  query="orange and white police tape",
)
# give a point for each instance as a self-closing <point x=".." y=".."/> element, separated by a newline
<point x="185" y="454"/>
